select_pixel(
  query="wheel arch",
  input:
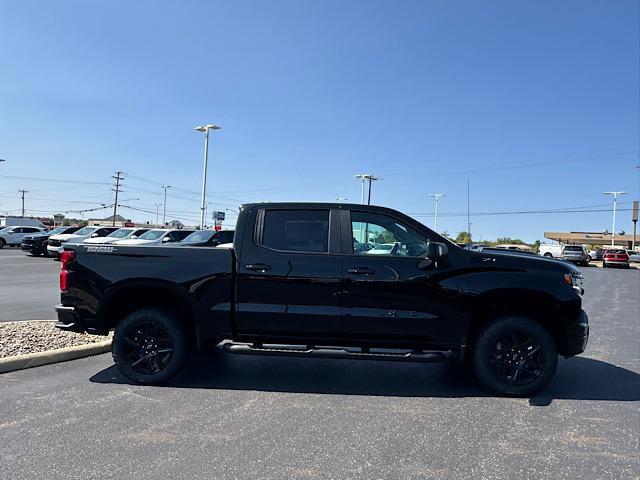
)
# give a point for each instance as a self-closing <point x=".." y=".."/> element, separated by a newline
<point x="127" y="296"/>
<point x="537" y="305"/>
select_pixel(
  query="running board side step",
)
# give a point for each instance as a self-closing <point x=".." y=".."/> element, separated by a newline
<point x="324" y="352"/>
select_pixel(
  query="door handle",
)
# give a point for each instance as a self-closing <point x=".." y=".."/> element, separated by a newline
<point x="259" y="267"/>
<point x="361" y="271"/>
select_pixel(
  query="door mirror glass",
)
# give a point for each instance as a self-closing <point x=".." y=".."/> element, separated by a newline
<point x="94" y="235"/>
<point x="166" y="239"/>
<point x="436" y="250"/>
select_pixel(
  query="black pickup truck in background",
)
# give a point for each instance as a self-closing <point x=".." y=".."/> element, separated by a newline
<point x="328" y="280"/>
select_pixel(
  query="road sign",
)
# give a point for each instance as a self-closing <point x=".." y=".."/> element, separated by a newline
<point x="58" y="218"/>
<point x="218" y="216"/>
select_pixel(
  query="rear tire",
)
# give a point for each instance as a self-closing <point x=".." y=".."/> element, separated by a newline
<point x="548" y="255"/>
<point x="150" y="346"/>
<point x="514" y="356"/>
<point x="2" y="243"/>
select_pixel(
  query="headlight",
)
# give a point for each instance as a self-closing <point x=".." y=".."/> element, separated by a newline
<point x="573" y="279"/>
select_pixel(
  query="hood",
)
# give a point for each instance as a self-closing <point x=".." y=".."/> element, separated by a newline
<point x="100" y="240"/>
<point x="66" y="236"/>
<point x="135" y="241"/>
<point x="511" y="259"/>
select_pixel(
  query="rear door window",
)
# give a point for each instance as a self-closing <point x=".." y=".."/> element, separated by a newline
<point x="296" y="230"/>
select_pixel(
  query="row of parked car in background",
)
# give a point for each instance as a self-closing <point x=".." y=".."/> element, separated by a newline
<point x="39" y="241"/>
<point x="577" y="254"/>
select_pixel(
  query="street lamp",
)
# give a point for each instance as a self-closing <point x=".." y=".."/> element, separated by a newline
<point x="371" y="178"/>
<point x="436" y="197"/>
<point x="164" y="205"/>
<point x="615" y="202"/>
<point x="205" y="129"/>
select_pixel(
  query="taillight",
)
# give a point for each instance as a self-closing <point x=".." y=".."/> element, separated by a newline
<point x="66" y="257"/>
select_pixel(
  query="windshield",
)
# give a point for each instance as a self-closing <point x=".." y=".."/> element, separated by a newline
<point x="152" y="235"/>
<point x="86" y="231"/>
<point x="58" y="230"/>
<point x="120" y="233"/>
<point x="199" y="236"/>
<point x="571" y="248"/>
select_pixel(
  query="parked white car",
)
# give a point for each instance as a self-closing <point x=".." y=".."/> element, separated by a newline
<point x="13" y="236"/>
<point x="554" y="251"/>
<point x="57" y="242"/>
<point x="120" y="234"/>
<point x="383" y="249"/>
<point x="157" y="236"/>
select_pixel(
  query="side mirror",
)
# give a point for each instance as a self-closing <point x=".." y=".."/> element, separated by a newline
<point x="435" y="251"/>
<point x="94" y="235"/>
<point x="166" y="239"/>
<point x="133" y="237"/>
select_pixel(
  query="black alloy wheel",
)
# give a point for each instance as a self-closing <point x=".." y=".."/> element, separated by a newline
<point x="517" y="358"/>
<point x="514" y="356"/>
<point x="150" y="345"/>
<point x="148" y="348"/>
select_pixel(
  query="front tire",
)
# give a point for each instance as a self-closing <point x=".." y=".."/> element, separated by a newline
<point x="150" y="346"/>
<point x="514" y="356"/>
<point x="2" y="243"/>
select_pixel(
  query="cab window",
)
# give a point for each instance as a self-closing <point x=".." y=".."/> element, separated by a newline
<point x="296" y="230"/>
<point x="377" y="234"/>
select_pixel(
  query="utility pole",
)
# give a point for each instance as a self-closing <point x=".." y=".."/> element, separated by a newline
<point x="116" y="189"/>
<point x="371" y="179"/>
<point x="203" y="206"/>
<point x="23" y="192"/>
<point x="468" y="214"/>
<point x="157" y="210"/>
<point x="164" y="205"/>
<point x="615" y="203"/>
<point x="436" y="197"/>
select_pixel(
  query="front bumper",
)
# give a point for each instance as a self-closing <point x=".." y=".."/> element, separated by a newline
<point x="55" y="251"/>
<point x="577" y="336"/>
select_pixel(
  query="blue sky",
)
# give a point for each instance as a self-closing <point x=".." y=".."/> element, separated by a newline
<point x="535" y="102"/>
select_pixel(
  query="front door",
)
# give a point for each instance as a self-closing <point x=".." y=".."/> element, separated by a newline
<point x="389" y="292"/>
<point x="289" y="273"/>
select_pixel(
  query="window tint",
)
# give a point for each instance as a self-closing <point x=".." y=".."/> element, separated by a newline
<point x="376" y="234"/>
<point x="296" y="230"/>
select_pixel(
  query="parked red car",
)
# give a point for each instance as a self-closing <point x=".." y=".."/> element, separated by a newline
<point x="615" y="258"/>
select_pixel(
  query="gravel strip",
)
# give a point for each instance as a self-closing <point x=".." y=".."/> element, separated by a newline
<point x="18" y="338"/>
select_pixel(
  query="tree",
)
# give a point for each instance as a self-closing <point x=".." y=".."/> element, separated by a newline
<point x="463" y="237"/>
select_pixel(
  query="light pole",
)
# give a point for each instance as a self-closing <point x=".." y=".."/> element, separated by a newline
<point x="203" y="206"/>
<point x="371" y="179"/>
<point x="157" y="210"/>
<point x="436" y="197"/>
<point x="615" y="202"/>
<point x="164" y="205"/>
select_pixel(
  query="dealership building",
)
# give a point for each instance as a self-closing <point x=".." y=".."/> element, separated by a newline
<point x="592" y="238"/>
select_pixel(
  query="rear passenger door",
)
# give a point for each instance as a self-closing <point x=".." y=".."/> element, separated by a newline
<point x="289" y="273"/>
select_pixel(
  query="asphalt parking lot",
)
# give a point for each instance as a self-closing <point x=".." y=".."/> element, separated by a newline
<point x="30" y="286"/>
<point x="259" y="417"/>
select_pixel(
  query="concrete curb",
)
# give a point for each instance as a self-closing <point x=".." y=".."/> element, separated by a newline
<point x="29" y="360"/>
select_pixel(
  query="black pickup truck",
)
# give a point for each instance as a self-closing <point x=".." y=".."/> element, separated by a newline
<point x="328" y="280"/>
